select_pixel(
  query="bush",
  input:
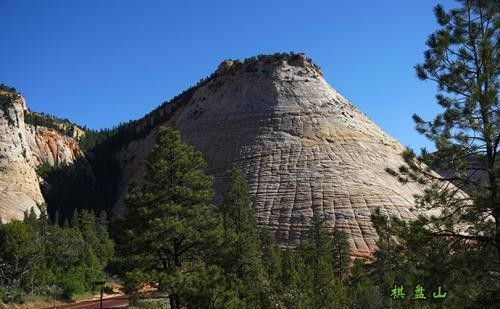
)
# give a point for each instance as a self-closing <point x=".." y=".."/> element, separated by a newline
<point x="63" y="126"/>
<point x="161" y="303"/>
<point x="12" y="295"/>
<point x="45" y="169"/>
<point x="6" y="88"/>
<point x="72" y="283"/>
<point x="108" y="289"/>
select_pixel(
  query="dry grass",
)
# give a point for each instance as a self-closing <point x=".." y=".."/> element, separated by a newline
<point x="36" y="303"/>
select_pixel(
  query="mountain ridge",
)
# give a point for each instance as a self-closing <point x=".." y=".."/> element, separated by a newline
<point x="302" y="147"/>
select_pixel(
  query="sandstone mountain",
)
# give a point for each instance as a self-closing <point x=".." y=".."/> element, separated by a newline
<point x="24" y="146"/>
<point x="302" y="147"/>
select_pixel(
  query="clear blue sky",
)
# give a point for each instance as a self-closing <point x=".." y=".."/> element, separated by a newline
<point x="98" y="63"/>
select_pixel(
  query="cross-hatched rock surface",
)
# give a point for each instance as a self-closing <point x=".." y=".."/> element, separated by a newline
<point x="302" y="147"/>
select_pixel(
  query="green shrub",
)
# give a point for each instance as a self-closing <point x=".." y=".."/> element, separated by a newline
<point x="6" y="88"/>
<point x="63" y="126"/>
<point x="72" y="283"/>
<point x="12" y="295"/>
<point x="160" y="303"/>
<point x="52" y="291"/>
<point x="5" y="103"/>
<point x="45" y="169"/>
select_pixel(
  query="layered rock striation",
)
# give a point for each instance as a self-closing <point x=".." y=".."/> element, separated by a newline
<point x="303" y="148"/>
<point x="51" y="147"/>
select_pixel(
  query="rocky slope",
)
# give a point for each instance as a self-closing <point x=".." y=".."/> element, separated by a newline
<point x="23" y="147"/>
<point x="303" y="148"/>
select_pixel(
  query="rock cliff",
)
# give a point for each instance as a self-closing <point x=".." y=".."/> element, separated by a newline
<point x="19" y="188"/>
<point x="303" y="148"/>
<point x="23" y="147"/>
<point x="49" y="146"/>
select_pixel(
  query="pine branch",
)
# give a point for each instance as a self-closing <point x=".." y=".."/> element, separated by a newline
<point x="446" y="233"/>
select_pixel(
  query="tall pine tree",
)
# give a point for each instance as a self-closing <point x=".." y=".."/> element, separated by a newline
<point x="317" y="252"/>
<point x="242" y="252"/>
<point x="170" y="224"/>
<point x="462" y="58"/>
<point x="341" y="253"/>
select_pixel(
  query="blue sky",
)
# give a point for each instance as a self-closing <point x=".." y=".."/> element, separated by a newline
<point x="99" y="63"/>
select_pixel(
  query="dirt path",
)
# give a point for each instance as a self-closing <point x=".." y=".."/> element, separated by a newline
<point x="112" y="302"/>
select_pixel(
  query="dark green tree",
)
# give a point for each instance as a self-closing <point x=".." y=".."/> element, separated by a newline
<point x="106" y="248"/>
<point x="464" y="228"/>
<point x="271" y="260"/>
<point x="65" y="255"/>
<point x="19" y="254"/>
<point x="241" y="240"/>
<point x="409" y="254"/>
<point x="170" y="224"/>
<point x="341" y="253"/>
<point x="296" y="280"/>
<point x="30" y="217"/>
<point x="75" y="218"/>
<point x="95" y="233"/>
<point x="363" y="292"/>
<point x="317" y="245"/>
<point x="463" y="60"/>
<point x="317" y="253"/>
<point x="210" y="287"/>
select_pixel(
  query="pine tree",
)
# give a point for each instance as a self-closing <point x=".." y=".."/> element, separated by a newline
<point x="75" y="218"/>
<point x="87" y="226"/>
<point x="318" y="243"/>
<point x="271" y="257"/>
<point x="462" y="58"/>
<point x="30" y="217"/>
<point x="43" y="223"/>
<point x="95" y="234"/>
<point x="170" y="223"/>
<point x="19" y="254"/>
<point x="241" y="240"/>
<point x="362" y="291"/>
<point x="106" y="247"/>
<point x="409" y="254"/>
<point x="296" y="282"/>
<point x="70" y="260"/>
<point x="317" y="253"/>
<point x="341" y="253"/>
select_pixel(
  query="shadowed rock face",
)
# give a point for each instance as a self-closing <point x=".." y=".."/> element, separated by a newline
<point x="302" y="147"/>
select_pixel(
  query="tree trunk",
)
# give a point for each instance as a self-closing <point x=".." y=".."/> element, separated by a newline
<point x="174" y="301"/>
<point x="496" y="215"/>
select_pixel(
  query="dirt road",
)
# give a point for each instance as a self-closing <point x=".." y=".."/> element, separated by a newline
<point x="113" y="302"/>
